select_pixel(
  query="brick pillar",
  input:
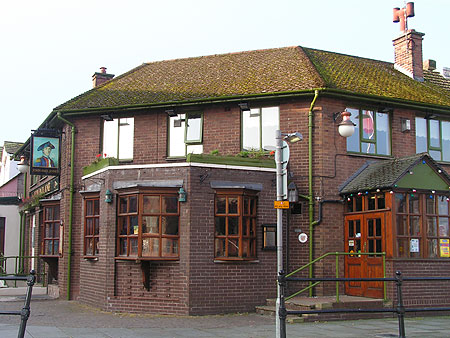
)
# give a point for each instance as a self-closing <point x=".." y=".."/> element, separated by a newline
<point x="408" y="54"/>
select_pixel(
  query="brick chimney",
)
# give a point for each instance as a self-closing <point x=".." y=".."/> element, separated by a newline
<point x="101" y="77"/>
<point x="408" y="46"/>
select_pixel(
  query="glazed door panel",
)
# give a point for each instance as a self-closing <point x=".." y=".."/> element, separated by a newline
<point x="364" y="233"/>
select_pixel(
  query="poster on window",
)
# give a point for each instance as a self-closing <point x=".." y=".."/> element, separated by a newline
<point x="444" y="245"/>
<point x="414" y="245"/>
<point x="45" y="153"/>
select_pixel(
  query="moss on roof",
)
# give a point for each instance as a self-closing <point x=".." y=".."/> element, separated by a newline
<point x="437" y="79"/>
<point x="289" y="69"/>
<point x="215" y="76"/>
<point x="372" y="77"/>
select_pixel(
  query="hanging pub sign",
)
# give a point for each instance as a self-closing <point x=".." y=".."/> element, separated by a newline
<point x="45" y="152"/>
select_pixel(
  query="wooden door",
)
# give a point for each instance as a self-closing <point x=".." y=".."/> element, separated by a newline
<point x="364" y="233"/>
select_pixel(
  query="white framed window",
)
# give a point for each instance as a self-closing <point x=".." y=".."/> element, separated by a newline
<point x="258" y="128"/>
<point x="118" y="138"/>
<point x="185" y="134"/>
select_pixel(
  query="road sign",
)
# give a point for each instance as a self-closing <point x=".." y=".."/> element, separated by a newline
<point x="281" y="204"/>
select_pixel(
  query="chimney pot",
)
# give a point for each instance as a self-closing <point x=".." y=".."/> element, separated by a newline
<point x="410" y="9"/>
<point x="429" y="64"/>
<point x="103" y="70"/>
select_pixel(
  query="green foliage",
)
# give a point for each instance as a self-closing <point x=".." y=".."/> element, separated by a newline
<point x="215" y="152"/>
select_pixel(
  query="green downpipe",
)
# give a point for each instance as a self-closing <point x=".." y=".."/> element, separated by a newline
<point x="310" y="181"/>
<point x="71" y="190"/>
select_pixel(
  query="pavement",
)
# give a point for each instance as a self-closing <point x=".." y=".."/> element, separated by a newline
<point x="52" y="318"/>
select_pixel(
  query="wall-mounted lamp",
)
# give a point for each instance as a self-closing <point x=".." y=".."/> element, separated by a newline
<point x="182" y="195"/>
<point x="406" y="125"/>
<point x="23" y="166"/>
<point x="244" y="106"/>
<point x="171" y="112"/>
<point x="107" y="117"/>
<point x="292" y="193"/>
<point x="346" y="128"/>
<point x="293" y="137"/>
<point x="108" y="196"/>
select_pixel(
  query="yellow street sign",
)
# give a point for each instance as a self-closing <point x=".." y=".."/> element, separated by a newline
<point x="281" y="204"/>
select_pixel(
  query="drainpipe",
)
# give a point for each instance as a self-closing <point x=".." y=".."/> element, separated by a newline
<point x="22" y="226"/>
<point x="71" y="190"/>
<point x="310" y="190"/>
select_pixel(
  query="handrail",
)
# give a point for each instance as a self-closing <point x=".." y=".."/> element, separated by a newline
<point x="337" y="254"/>
<point x="18" y="268"/>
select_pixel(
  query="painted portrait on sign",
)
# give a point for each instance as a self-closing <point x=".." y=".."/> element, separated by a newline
<point x="45" y="153"/>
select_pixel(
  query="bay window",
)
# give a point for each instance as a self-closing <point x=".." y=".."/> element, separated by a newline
<point x="433" y="137"/>
<point x="258" y="128"/>
<point x="372" y="132"/>
<point x="118" y="138"/>
<point x="235" y="225"/>
<point x="185" y="134"/>
<point x="148" y="225"/>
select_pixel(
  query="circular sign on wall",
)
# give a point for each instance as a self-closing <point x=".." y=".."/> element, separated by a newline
<point x="303" y="237"/>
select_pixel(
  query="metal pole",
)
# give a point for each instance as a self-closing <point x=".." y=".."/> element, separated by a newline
<point x="400" y="307"/>
<point x="279" y="163"/>
<point x="283" y="314"/>
<point x="25" y="313"/>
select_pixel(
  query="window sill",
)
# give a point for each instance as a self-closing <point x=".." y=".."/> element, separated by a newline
<point x="233" y="261"/>
<point x="370" y="155"/>
<point x="139" y="259"/>
<point x="91" y="258"/>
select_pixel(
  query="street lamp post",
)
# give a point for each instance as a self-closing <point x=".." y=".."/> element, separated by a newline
<point x="280" y="161"/>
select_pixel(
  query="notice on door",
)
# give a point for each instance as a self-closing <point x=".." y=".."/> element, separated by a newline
<point x="414" y="245"/>
<point x="444" y="245"/>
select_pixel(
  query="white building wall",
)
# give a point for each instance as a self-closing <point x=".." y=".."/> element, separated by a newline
<point x="8" y="168"/>
<point x="12" y="234"/>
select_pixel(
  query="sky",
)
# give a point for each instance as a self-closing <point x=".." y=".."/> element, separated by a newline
<point x="49" y="49"/>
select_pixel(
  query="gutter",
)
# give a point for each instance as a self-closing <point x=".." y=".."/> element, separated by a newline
<point x="71" y="190"/>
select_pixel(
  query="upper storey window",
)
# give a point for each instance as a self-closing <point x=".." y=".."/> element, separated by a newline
<point x="185" y="134"/>
<point x="118" y="136"/>
<point x="372" y="132"/>
<point x="433" y="137"/>
<point x="258" y="128"/>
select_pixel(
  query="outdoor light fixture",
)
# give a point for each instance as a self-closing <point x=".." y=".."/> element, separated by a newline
<point x="182" y="195"/>
<point x="107" y="117"/>
<point x="108" y="196"/>
<point x="171" y="112"/>
<point x="244" y="106"/>
<point x="293" y="137"/>
<point x="23" y="166"/>
<point x="292" y="193"/>
<point x="346" y="128"/>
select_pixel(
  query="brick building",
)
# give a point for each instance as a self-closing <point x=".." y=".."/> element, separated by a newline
<point x="172" y="221"/>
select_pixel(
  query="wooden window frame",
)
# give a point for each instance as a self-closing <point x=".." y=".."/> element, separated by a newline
<point x="87" y="234"/>
<point x="138" y="228"/>
<point x="437" y="217"/>
<point x="248" y="220"/>
<point x="54" y="223"/>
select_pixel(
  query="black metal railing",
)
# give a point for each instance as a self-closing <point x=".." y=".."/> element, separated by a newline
<point x="25" y="312"/>
<point x="400" y="309"/>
